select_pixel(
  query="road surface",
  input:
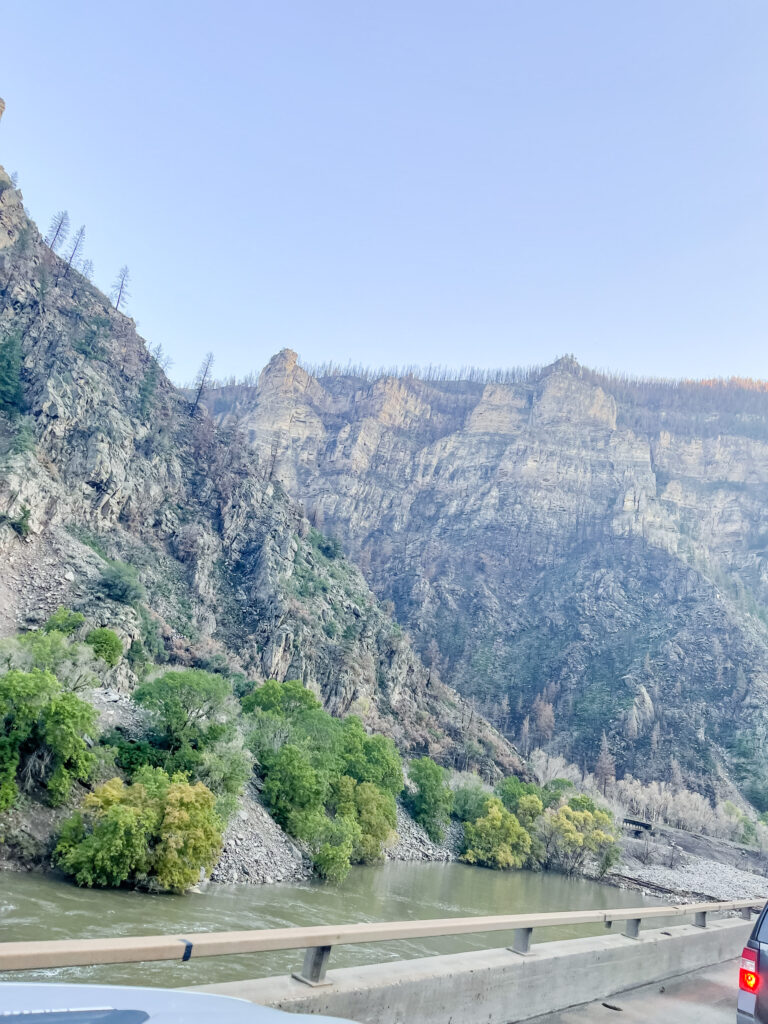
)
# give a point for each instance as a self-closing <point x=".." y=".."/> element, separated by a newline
<point x="702" y="997"/>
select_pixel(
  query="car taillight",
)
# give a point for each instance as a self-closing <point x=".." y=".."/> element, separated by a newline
<point x="749" y="979"/>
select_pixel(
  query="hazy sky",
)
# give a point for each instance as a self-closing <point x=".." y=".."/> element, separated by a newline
<point x="495" y="183"/>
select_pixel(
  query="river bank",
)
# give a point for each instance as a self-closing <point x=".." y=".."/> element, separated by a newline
<point x="688" y="867"/>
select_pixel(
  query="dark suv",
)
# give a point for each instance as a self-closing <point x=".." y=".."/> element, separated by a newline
<point x="753" y="975"/>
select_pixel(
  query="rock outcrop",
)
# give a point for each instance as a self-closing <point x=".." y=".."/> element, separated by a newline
<point x="110" y="461"/>
<point x="554" y="538"/>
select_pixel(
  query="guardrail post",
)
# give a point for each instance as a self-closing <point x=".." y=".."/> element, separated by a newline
<point x="632" y="928"/>
<point x="522" y="941"/>
<point x="746" y="913"/>
<point x="315" y="963"/>
<point x="700" y="919"/>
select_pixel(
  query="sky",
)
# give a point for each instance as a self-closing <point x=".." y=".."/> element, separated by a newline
<point x="486" y="182"/>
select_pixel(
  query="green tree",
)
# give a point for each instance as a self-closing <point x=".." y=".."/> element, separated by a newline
<point x="43" y="735"/>
<point x="570" y="838"/>
<point x="106" y="645"/>
<point x="529" y="808"/>
<point x="430" y="805"/>
<point x="376" y="814"/>
<point x="281" y="698"/>
<point x="511" y="789"/>
<point x="65" y="621"/>
<point x="193" y="708"/>
<point x="11" y="394"/>
<point x="497" y="840"/>
<point x="470" y="801"/>
<point x="292" y="787"/>
<point x="157" y="832"/>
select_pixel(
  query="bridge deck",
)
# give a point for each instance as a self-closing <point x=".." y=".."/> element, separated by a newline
<point x="701" y="997"/>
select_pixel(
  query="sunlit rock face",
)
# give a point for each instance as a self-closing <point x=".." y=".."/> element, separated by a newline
<point x="598" y="544"/>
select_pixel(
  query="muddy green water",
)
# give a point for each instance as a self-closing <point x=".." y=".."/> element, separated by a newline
<point x="35" y="907"/>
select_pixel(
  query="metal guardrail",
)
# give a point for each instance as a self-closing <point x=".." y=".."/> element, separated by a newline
<point x="318" y="941"/>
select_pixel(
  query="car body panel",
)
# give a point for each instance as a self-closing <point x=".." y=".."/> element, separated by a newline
<point x="27" y="1003"/>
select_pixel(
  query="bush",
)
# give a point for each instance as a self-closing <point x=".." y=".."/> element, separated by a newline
<point x="106" y="645"/>
<point x="431" y="804"/>
<point x="120" y="582"/>
<point x="24" y="438"/>
<point x="569" y="838"/>
<point x="470" y="801"/>
<point x="511" y="789"/>
<point x="292" y="785"/>
<point x="157" y="832"/>
<point x="497" y="840"/>
<point x="20" y="524"/>
<point x="64" y="621"/>
<point x="43" y="736"/>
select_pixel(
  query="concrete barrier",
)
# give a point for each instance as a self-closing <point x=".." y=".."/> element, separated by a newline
<point x="498" y="986"/>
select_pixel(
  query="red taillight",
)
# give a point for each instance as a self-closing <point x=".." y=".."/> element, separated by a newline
<point x="749" y="979"/>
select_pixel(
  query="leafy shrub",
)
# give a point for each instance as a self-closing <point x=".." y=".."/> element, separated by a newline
<point x="582" y="803"/>
<point x="470" y="801"/>
<point x="106" y="645"/>
<point x="120" y="582"/>
<point x="43" y="735"/>
<point x="64" y="621"/>
<point x="569" y="838"/>
<point x="497" y="840"/>
<point x="23" y="439"/>
<point x="157" y="832"/>
<point x="431" y="804"/>
<point x="511" y="789"/>
<point x="151" y="636"/>
<point x="136" y="656"/>
<point x="72" y="663"/>
<point x="20" y="524"/>
<point x="281" y="699"/>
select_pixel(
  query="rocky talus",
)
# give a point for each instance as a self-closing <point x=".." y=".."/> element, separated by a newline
<point x="552" y="538"/>
<point x="257" y="850"/>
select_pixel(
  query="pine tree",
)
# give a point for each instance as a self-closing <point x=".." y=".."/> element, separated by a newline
<point x="11" y="394"/>
<point x="202" y="380"/>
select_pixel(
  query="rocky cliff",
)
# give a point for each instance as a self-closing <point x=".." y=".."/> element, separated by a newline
<point x="102" y="459"/>
<point x="561" y="545"/>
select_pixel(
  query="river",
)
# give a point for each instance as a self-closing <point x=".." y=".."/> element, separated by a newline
<point x="39" y="907"/>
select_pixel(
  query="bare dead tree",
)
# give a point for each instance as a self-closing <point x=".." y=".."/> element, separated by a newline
<point x="76" y="250"/>
<point x="75" y="253"/>
<point x="58" y="231"/>
<point x="202" y="381"/>
<point x="120" y="293"/>
<point x="161" y="357"/>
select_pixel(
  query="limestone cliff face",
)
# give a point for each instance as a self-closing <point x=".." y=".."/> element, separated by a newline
<point x="563" y="537"/>
<point x="113" y="462"/>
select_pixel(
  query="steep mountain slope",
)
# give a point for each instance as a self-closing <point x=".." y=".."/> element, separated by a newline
<point x="110" y="461"/>
<point x="552" y="538"/>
